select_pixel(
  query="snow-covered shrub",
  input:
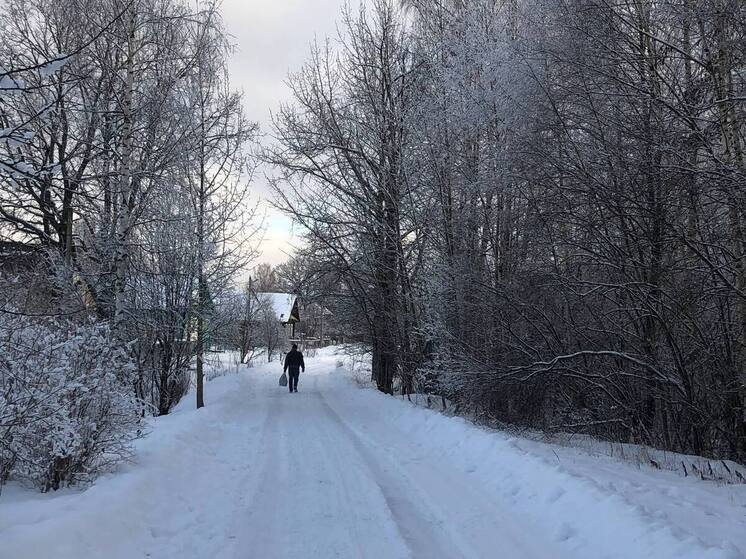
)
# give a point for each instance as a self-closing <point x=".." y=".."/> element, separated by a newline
<point x="67" y="405"/>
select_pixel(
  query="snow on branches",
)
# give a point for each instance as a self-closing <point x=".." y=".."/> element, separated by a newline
<point x="67" y="407"/>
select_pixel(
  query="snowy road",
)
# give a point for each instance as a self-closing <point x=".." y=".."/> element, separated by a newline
<point x="335" y="471"/>
<point x="338" y="481"/>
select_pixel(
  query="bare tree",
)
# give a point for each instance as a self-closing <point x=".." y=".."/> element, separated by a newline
<point x="342" y="153"/>
<point x="124" y="164"/>
<point x="219" y="167"/>
<point x="550" y="231"/>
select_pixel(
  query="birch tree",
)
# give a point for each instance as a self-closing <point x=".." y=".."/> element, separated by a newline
<point x="216" y="172"/>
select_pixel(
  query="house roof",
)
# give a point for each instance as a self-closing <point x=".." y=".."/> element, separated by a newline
<point x="282" y="303"/>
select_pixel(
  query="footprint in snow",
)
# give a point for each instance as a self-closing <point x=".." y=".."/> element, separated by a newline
<point x="564" y="532"/>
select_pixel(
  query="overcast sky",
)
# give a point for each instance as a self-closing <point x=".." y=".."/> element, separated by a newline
<point x="273" y="37"/>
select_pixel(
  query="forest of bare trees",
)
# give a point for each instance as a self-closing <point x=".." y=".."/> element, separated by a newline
<point x="536" y="209"/>
<point x="124" y="218"/>
<point x="533" y="209"/>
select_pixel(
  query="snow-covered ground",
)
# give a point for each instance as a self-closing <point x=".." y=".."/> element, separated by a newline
<point x="339" y="471"/>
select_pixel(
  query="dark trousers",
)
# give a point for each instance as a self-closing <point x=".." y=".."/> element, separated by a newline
<point x="293" y="375"/>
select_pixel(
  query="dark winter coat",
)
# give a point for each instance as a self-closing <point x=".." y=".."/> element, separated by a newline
<point x="294" y="361"/>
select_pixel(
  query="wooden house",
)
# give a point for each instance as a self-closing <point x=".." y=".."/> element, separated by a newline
<point x="285" y="307"/>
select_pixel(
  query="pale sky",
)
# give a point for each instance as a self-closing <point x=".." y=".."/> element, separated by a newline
<point x="273" y="37"/>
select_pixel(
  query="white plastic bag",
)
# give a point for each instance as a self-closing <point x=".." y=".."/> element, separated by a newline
<point x="284" y="380"/>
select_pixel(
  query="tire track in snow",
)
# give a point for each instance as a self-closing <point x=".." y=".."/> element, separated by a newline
<point x="312" y="495"/>
<point x="424" y="534"/>
<point x="429" y="497"/>
<point x="335" y="482"/>
<point x="265" y="524"/>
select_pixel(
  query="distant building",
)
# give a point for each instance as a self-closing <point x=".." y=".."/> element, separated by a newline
<point x="319" y="327"/>
<point x="32" y="280"/>
<point x="18" y="258"/>
<point x="285" y="307"/>
<point x="25" y="279"/>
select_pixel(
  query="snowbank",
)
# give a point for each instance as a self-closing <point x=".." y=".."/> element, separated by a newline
<point x="170" y="502"/>
<point x="594" y="505"/>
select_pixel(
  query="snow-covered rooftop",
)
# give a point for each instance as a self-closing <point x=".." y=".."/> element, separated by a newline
<point x="282" y="303"/>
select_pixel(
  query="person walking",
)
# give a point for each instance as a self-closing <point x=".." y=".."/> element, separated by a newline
<point x="294" y="364"/>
